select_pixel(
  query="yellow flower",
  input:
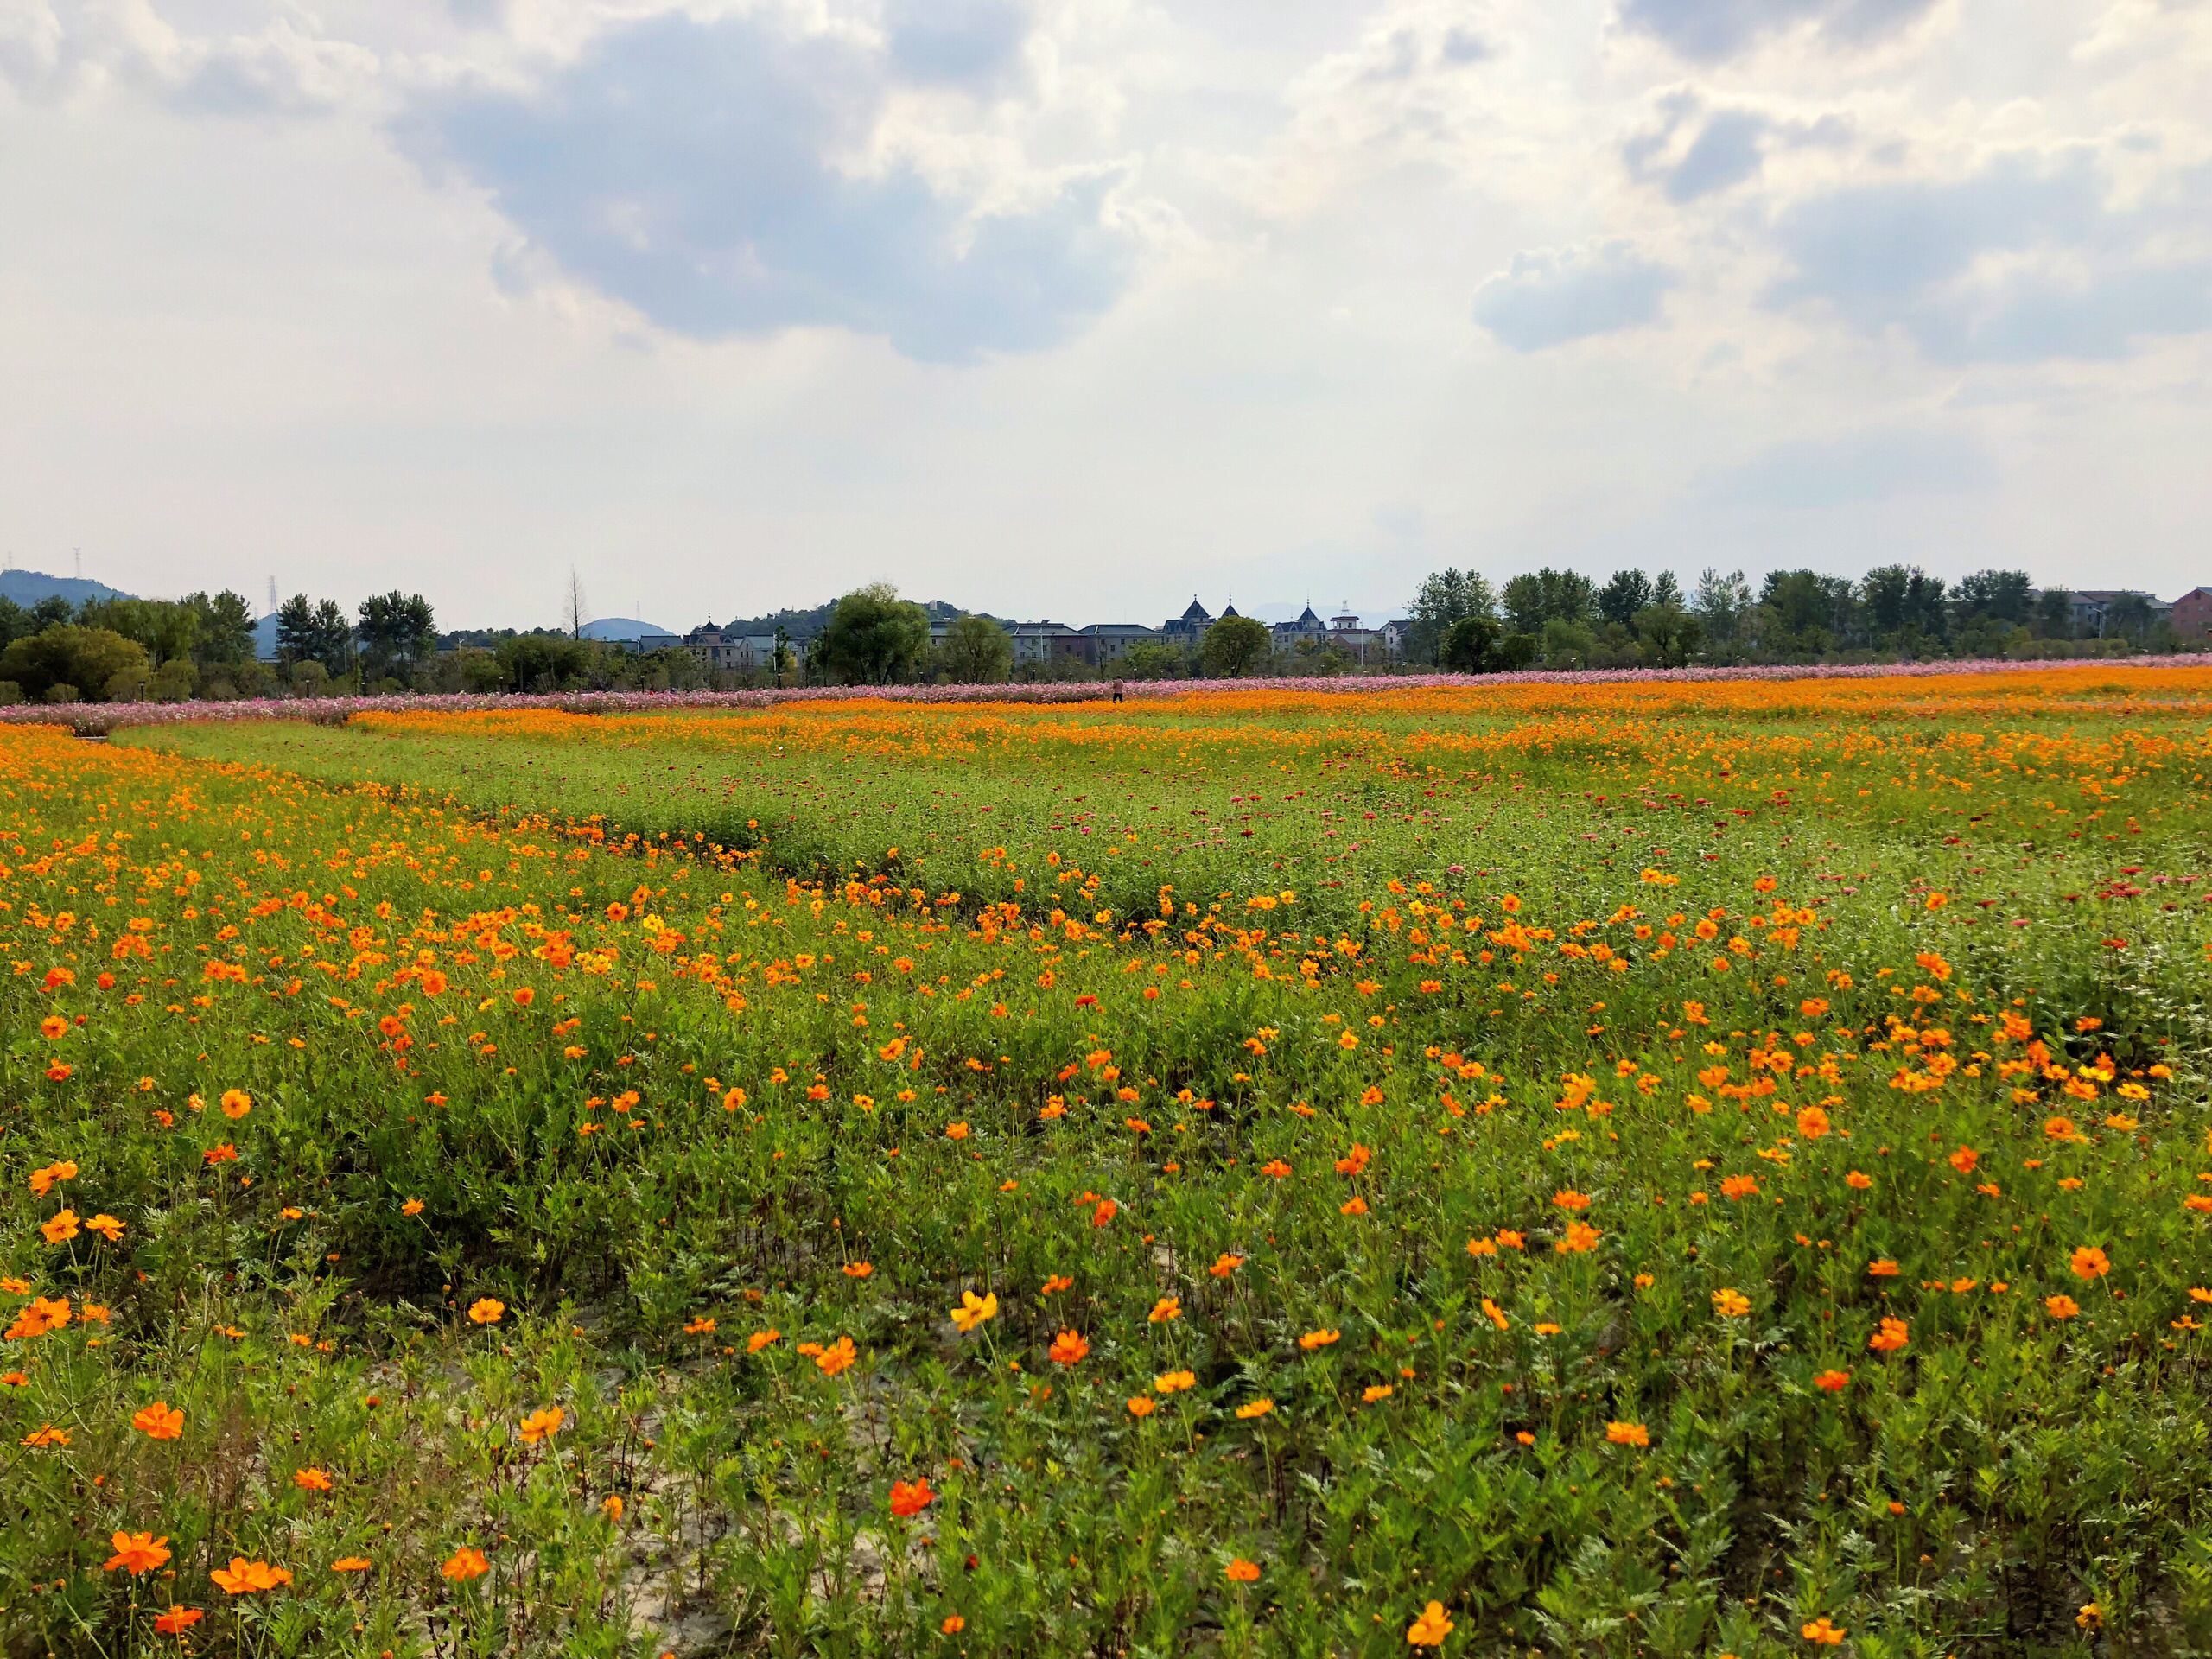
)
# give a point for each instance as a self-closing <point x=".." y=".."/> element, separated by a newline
<point x="974" y="1310"/>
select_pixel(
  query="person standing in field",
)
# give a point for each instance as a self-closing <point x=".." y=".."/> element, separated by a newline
<point x="1117" y="690"/>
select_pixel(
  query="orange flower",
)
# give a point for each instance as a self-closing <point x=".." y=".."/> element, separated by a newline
<point x="1434" y="1624"/>
<point x="178" y="1620"/>
<point x="464" y="1564"/>
<point x="2060" y="1308"/>
<point x="235" y="1103"/>
<point x="1891" y="1337"/>
<point x="1740" y="1186"/>
<point x="838" y="1358"/>
<point x="351" y="1564"/>
<point x="858" y="1269"/>
<point x="1256" y="1408"/>
<point x="412" y="1207"/>
<point x="1812" y="1122"/>
<point x="108" y="1227"/>
<point x="487" y="1310"/>
<point x="53" y="1028"/>
<point x="953" y="1625"/>
<point x="1731" y="1304"/>
<point x="1964" y="1159"/>
<point x="1276" y="1169"/>
<point x="699" y="1327"/>
<point x="955" y="1131"/>
<point x="39" y="1316"/>
<point x="1490" y="1312"/>
<point x="910" y="1499"/>
<point x="1174" y="1382"/>
<point x="760" y="1339"/>
<point x="1068" y="1348"/>
<point x="1225" y="1265"/>
<point x="159" y="1421"/>
<point x="1142" y="1405"/>
<point x="312" y="1480"/>
<point x="1627" y="1434"/>
<point x="542" y="1425"/>
<point x="1832" y="1382"/>
<point x="1240" y="1570"/>
<point x="1859" y="1181"/>
<point x="242" y="1577"/>
<point x="1314" y="1339"/>
<point x="61" y="1228"/>
<point x="2090" y="1262"/>
<point x="46" y="1435"/>
<point x="1166" y="1308"/>
<point x="42" y="1180"/>
<point x="1820" y="1632"/>
<point x="1581" y="1236"/>
<point x="1378" y="1392"/>
<point x="611" y="1507"/>
<point x="1106" y="1212"/>
<point x="137" y="1552"/>
<point x="1058" y="1282"/>
<point x="1570" y="1199"/>
<point x="1883" y="1268"/>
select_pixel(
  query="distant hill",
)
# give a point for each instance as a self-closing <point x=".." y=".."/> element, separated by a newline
<point x="27" y="588"/>
<point x="625" y="628"/>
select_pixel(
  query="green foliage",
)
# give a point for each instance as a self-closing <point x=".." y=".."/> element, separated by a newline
<point x="544" y="662"/>
<point x="1471" y="645"/>
<point x="1235" y="645"/>
<point x="872" y="637"/>
<point x="976" y="651"/>
<point x="78" y="658"/>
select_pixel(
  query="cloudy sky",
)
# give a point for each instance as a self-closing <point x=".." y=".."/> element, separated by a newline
<point x="1069" y="307"/>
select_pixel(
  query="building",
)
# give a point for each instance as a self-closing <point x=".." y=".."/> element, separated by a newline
<point x="1188" y="628"/>
<point x="736" y="653"/>
<point x="1308" y="627"/>
<point x="2094" y="609"/>
<point x="1037" y="643"/>
<point x="1393" y="636"/>
<point x="1102" y="644"/>
<point x="2192" y="613"/>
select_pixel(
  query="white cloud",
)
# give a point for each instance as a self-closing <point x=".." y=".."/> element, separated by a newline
<point x="1066" y="306"/>
<point x="1551" y="296"/>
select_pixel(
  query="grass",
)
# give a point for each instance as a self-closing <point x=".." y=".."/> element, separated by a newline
<point x="573" y="1057"/>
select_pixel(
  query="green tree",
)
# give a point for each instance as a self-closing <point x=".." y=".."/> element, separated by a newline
<point x="225" y="629"/>
<point x="1471" y="647"/>
<point x="1548" y="596"/>
<point x="67" y="654"/>
<point x="167" y="631"/>
<point x="1447" y="596"/>
<point x="1235" y="645"/>
<point x="1154" y="659"/>
<point x="873" y="637"/>
<point x="977" y="652"/>
<point x="1620" y="600"/>
<point x="398" y="632"/>
<point x="1669" y="634"/>
<point x="543" y="662"/>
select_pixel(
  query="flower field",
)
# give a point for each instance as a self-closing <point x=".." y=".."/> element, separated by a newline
<point x="1654" y="1168"/>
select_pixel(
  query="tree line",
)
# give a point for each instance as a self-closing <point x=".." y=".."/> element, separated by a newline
<point x="1561" y="619"/>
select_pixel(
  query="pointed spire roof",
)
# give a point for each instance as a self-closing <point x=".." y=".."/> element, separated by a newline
<point x="1197" y="612"/>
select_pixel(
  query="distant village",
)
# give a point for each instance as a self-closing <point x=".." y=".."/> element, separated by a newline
<point x="66" y="639"/>
<point x="1038" y="646"/>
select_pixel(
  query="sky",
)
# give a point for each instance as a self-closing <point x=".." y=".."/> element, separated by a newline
<point x="1073" y="309"/>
